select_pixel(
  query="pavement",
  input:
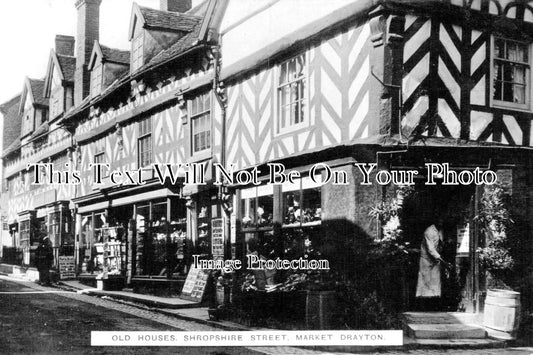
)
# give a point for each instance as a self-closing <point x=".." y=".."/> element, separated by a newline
<point x="171" y="306"/>
<point x="197" y="319"/>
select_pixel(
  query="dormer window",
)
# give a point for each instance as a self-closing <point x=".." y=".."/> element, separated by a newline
<point x="28" y="116"/>
<point x="55" y="97"/>
<point x="96" y="80"/>
<point x="162" y="30"/>
<point x="137" y="52"/>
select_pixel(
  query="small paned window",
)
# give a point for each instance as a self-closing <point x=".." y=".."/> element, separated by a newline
<point x="96" y="80"/>
<point x="137" y="52"/>
<point x="144" y="143"/>
<point x="511" y="72"/>
<point x="292" y="95"/>
<point x="201" y="123"/>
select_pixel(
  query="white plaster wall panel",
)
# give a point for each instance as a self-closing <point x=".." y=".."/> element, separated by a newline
<point x="267" y="27"/>
<point x="478" y="123"/>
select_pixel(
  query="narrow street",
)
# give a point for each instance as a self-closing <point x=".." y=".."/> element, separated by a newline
<point x="50" y="321"/>
<point x="44" y="320"/>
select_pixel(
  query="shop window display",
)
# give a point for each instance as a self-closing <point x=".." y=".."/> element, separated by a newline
<point x="162" y="246"/>
<point x="257" y="206"/>
<point x="206" y="211"/>
<point x="257" y="219"/>
<point x="25" y="240"/>
<point x="300" y="219"/>
<point x="301" y="203"/>
<point x="93" y="243"/>
<point x="86" y="242"/>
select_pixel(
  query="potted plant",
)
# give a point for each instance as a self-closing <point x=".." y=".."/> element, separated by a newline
<point x="502" y="304"/>
<point x="494" y="220"/>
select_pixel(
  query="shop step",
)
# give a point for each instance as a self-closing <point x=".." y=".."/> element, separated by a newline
<point x="446" y="331"/>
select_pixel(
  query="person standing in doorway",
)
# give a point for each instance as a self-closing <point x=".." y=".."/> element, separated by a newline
<point x="45" y="258"/>
<point x="428" y="288"/>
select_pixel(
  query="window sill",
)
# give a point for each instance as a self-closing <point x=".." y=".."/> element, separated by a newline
<point x="302" y="225"/>
<point x="510" y="106"/>
<point x="292" y="129"/>
<point x="202" y="155"/>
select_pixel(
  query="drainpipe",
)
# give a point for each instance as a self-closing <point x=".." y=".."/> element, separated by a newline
<point x="220" y="94"/>
<point x="223" y="196"/>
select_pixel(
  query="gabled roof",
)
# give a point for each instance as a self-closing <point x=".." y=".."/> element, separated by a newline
<point x="177" y="48"/>
<point x="168" y="20"/>
<point x="34" y="89"/>
<point x="37" y="86"/>
<point x="163" y="20"/>
<point x="115" y="55"/>
<point x="191" y="41"/>
<point x="109" y="55"/>
<point x="67" y="68"/>
<point x="12" y="121"/>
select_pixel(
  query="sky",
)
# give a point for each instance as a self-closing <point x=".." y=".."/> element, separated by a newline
<point x="28" y="29"/>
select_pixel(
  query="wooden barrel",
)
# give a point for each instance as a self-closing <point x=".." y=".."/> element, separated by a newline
<point x="320" y="309"/>
<point x="502" y="314"/>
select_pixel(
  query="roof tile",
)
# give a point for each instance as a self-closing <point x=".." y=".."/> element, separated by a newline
<point x="68" y="66"/>
<point x="168" y="20"/>
<point x="37" y="90"/>
<point x="12" y="121"/>
<point x="116" y="55"/>
<point x="11" y="148"/>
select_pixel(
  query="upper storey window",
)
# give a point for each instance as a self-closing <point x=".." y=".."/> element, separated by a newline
<point x="56" y="106"/>
<point x="27" y="124"/>
<point x="511" y="73"/>
<point x="96" y="80"/>
<point x="201" y="123"/>
<point x="292" y="94"/>
<point x="137" y="52"/>
<point x="144" y="143"/>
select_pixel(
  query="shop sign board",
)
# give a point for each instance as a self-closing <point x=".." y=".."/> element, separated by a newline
<point x="195" y="284"/>
<point x="67" y="267"/>
<point x="463" y="239"/>
<point x="217" y="238"/>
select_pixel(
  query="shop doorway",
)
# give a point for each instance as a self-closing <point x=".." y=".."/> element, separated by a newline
<point x="456" y="206"/>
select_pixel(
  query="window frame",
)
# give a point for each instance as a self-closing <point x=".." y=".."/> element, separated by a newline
<point x="137" y="52"/>
<point x="101" y="154"/>
<point x="29" y="121"/>
<point x="195" y="117"/>
<point x="528" y="92"/>
<point x="278" y="130"/>
<point x="145" y="135"/>
<point x="56" y="87"/>
<point x="97" y="73"/>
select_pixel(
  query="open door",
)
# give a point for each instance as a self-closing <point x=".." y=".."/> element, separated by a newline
<point x="456" y="205"/>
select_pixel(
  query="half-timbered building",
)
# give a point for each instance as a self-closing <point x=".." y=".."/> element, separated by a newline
<point x="328" y="84"/>
<point x="395" y="83"/>
<point x="151" y="105"/>
<point x="38" y="198"/>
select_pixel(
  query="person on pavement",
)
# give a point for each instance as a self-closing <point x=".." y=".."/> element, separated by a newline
<point x="45" y="258"/>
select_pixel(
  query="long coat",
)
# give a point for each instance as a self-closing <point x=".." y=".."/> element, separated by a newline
<point x="429" y="282"/>
<point x="45" y="254"/>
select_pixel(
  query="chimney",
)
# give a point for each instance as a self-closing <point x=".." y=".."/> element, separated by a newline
<point x="175" y="5"/>
<point x="65" y="45"/>
<point x="87" y="32"/>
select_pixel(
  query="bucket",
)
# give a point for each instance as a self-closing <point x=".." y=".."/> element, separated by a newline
<point x="502" y="314"/>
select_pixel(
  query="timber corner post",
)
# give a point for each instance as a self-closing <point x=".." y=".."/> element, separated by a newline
<point x="387" y="41"/>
